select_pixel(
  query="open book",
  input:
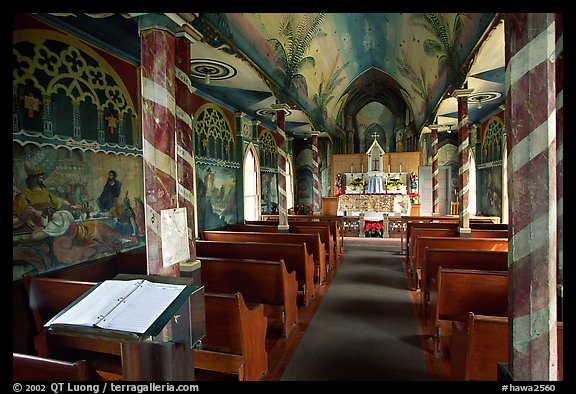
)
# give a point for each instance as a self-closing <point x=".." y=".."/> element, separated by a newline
<point x="122" y="305"/>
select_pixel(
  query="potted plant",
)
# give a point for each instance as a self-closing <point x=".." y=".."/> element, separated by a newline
<point x="414" y="197"/>
<point x="374" y="229"/>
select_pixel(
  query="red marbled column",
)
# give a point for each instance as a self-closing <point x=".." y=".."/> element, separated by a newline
<point x="463" y="159"/>
<point x="316" y="187"/>
<point x="185" y="167"/>
<point x="531" y="131"/>
<point x="158" y="134"/>
<point x="282" y="200"/>
<point x="435" y="197"/>
<point x="560" y="145"/>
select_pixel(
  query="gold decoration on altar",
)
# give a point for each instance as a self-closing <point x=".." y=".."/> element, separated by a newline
<point x="367" y="202"/>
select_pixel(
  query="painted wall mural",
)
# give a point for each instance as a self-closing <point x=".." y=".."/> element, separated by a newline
<point x="77" y="164"/>
<point x="217" y="195"/>
<point x="71" y="206"/>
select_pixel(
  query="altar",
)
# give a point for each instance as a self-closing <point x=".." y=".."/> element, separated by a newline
<point x="374" y="188"/>
<point x="374" y="202"/>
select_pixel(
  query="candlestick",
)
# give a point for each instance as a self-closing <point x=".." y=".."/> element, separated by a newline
<point x="352" y="168"/>
<point x="362" y="167"/>
<point x="388" y="167"/>
<point x="400" y="167"/>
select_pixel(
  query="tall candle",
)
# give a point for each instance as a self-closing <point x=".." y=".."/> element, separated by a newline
<point x="400" y="167"/>
<point x="388" y="167"/>
<point x="362" y="167"/>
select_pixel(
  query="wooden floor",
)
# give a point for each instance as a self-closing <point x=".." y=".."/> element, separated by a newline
<point x="280" y="350"/>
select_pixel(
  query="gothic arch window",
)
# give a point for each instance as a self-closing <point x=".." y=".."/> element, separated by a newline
<point x="251" y="185"/>
<point x="492" y="144"/>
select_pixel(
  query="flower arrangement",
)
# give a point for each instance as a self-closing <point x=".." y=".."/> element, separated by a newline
<point x="414" y="197"/>
<point x="358" y="183"/>
<point x="394" y="182"/>
<point x="374" y="229"/>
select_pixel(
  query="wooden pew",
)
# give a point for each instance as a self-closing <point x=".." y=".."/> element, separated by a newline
<point x="259" y="281"/>
<point x="459" y="291"/>
<point x="235" y="337"/>
<point x="295" y="256"/>
<point x="473" y="242"/>
<point x="47" y="297"/>
<point x="26" y="367"/>
<point x="333" y="222"/>
<point x="322" y="231"/>
<point x="312" y="241"/>
<point x="447" y="230"/>
<point x="491" y="260"/>
<point x="480" y="342"/>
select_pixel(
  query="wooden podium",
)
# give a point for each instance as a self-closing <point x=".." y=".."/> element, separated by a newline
<point x="415" y="209"/>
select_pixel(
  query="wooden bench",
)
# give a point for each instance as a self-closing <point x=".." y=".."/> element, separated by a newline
<point x="295" y="256"/>
<point x="480" y="342"/>
<point x="422" y="243"/>
<point x="333" y="222"/>
<point x="259" y="282"/>
<point x="447" y="230"/>
<point x="47" y="297"/>
<point x="442" y="220"/>
<point x="322" y="231"/>
<point x="26" y="367"/>
<point x="491" y="260"/>
<point x="459" y="291"/>
<point x="312" y="241"/>
<point x="235" y="337"/>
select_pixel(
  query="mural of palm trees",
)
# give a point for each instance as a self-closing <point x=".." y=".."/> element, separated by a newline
<point x="298" y="36"/>
<point x="419" y="84"/>
<point x="326" y="89"/>
<point x="443" y="42"/>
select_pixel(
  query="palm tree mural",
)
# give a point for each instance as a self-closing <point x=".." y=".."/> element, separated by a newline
<point x="298" y="36"/>
<point x="326" y="89"/>
<point x="443" y="42"/>
<point x="419" y="84"/>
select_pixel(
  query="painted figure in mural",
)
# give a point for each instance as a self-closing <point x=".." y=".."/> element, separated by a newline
<point x="74" y="242"/>
<point x="110" y="191"/>
<point x="125" y="215"/>
<point x="209" y="181"/>
<point x="32" y="206"/>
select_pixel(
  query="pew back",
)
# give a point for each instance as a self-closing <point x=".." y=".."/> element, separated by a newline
<point x="27" y="367"/>
<point x="312" y="241"/>
<point x="235" y="337"/>
<point x="422" y="243"/>
<point x="323" y="232"/>
<point x="259" y="281"/>
<point x="491" y="260"/>
<point x="459" y="291"/>
<point x="295" y="256"/>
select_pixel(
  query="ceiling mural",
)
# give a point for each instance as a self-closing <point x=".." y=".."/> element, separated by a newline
<point x="315" y="58"/>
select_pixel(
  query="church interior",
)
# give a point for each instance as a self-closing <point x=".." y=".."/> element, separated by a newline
<point x="142" y="140"/>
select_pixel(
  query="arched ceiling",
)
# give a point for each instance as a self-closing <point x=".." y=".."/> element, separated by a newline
<point x="326" y="66"/>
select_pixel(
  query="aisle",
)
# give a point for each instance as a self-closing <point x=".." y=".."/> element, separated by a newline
<point x="364" y="329"/>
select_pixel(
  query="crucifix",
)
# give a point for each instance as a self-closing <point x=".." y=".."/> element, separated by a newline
<point x="112" y="123"/>
<point x="31" y="103"/>
<point x="375" y="161"/>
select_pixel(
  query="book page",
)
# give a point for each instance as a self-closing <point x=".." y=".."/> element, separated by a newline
<point x="137" y="312"/>
<point x="95" y="305"/>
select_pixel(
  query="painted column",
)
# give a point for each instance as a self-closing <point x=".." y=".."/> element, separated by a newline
<point x="531" y="130"/>
<point x="435" y="194"/>
<point x="281" y="111"/>
<point x="560" y="153"/>
<point x="158" y="135"/>
<point x="185" y="166"/>
<point x="315" y="172"/>
<point x="463" y="159"/>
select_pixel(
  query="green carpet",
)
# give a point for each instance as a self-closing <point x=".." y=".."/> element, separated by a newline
<point x="365" y="328"/>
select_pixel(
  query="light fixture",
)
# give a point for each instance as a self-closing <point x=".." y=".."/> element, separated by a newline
<point x="207" y="78"/>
